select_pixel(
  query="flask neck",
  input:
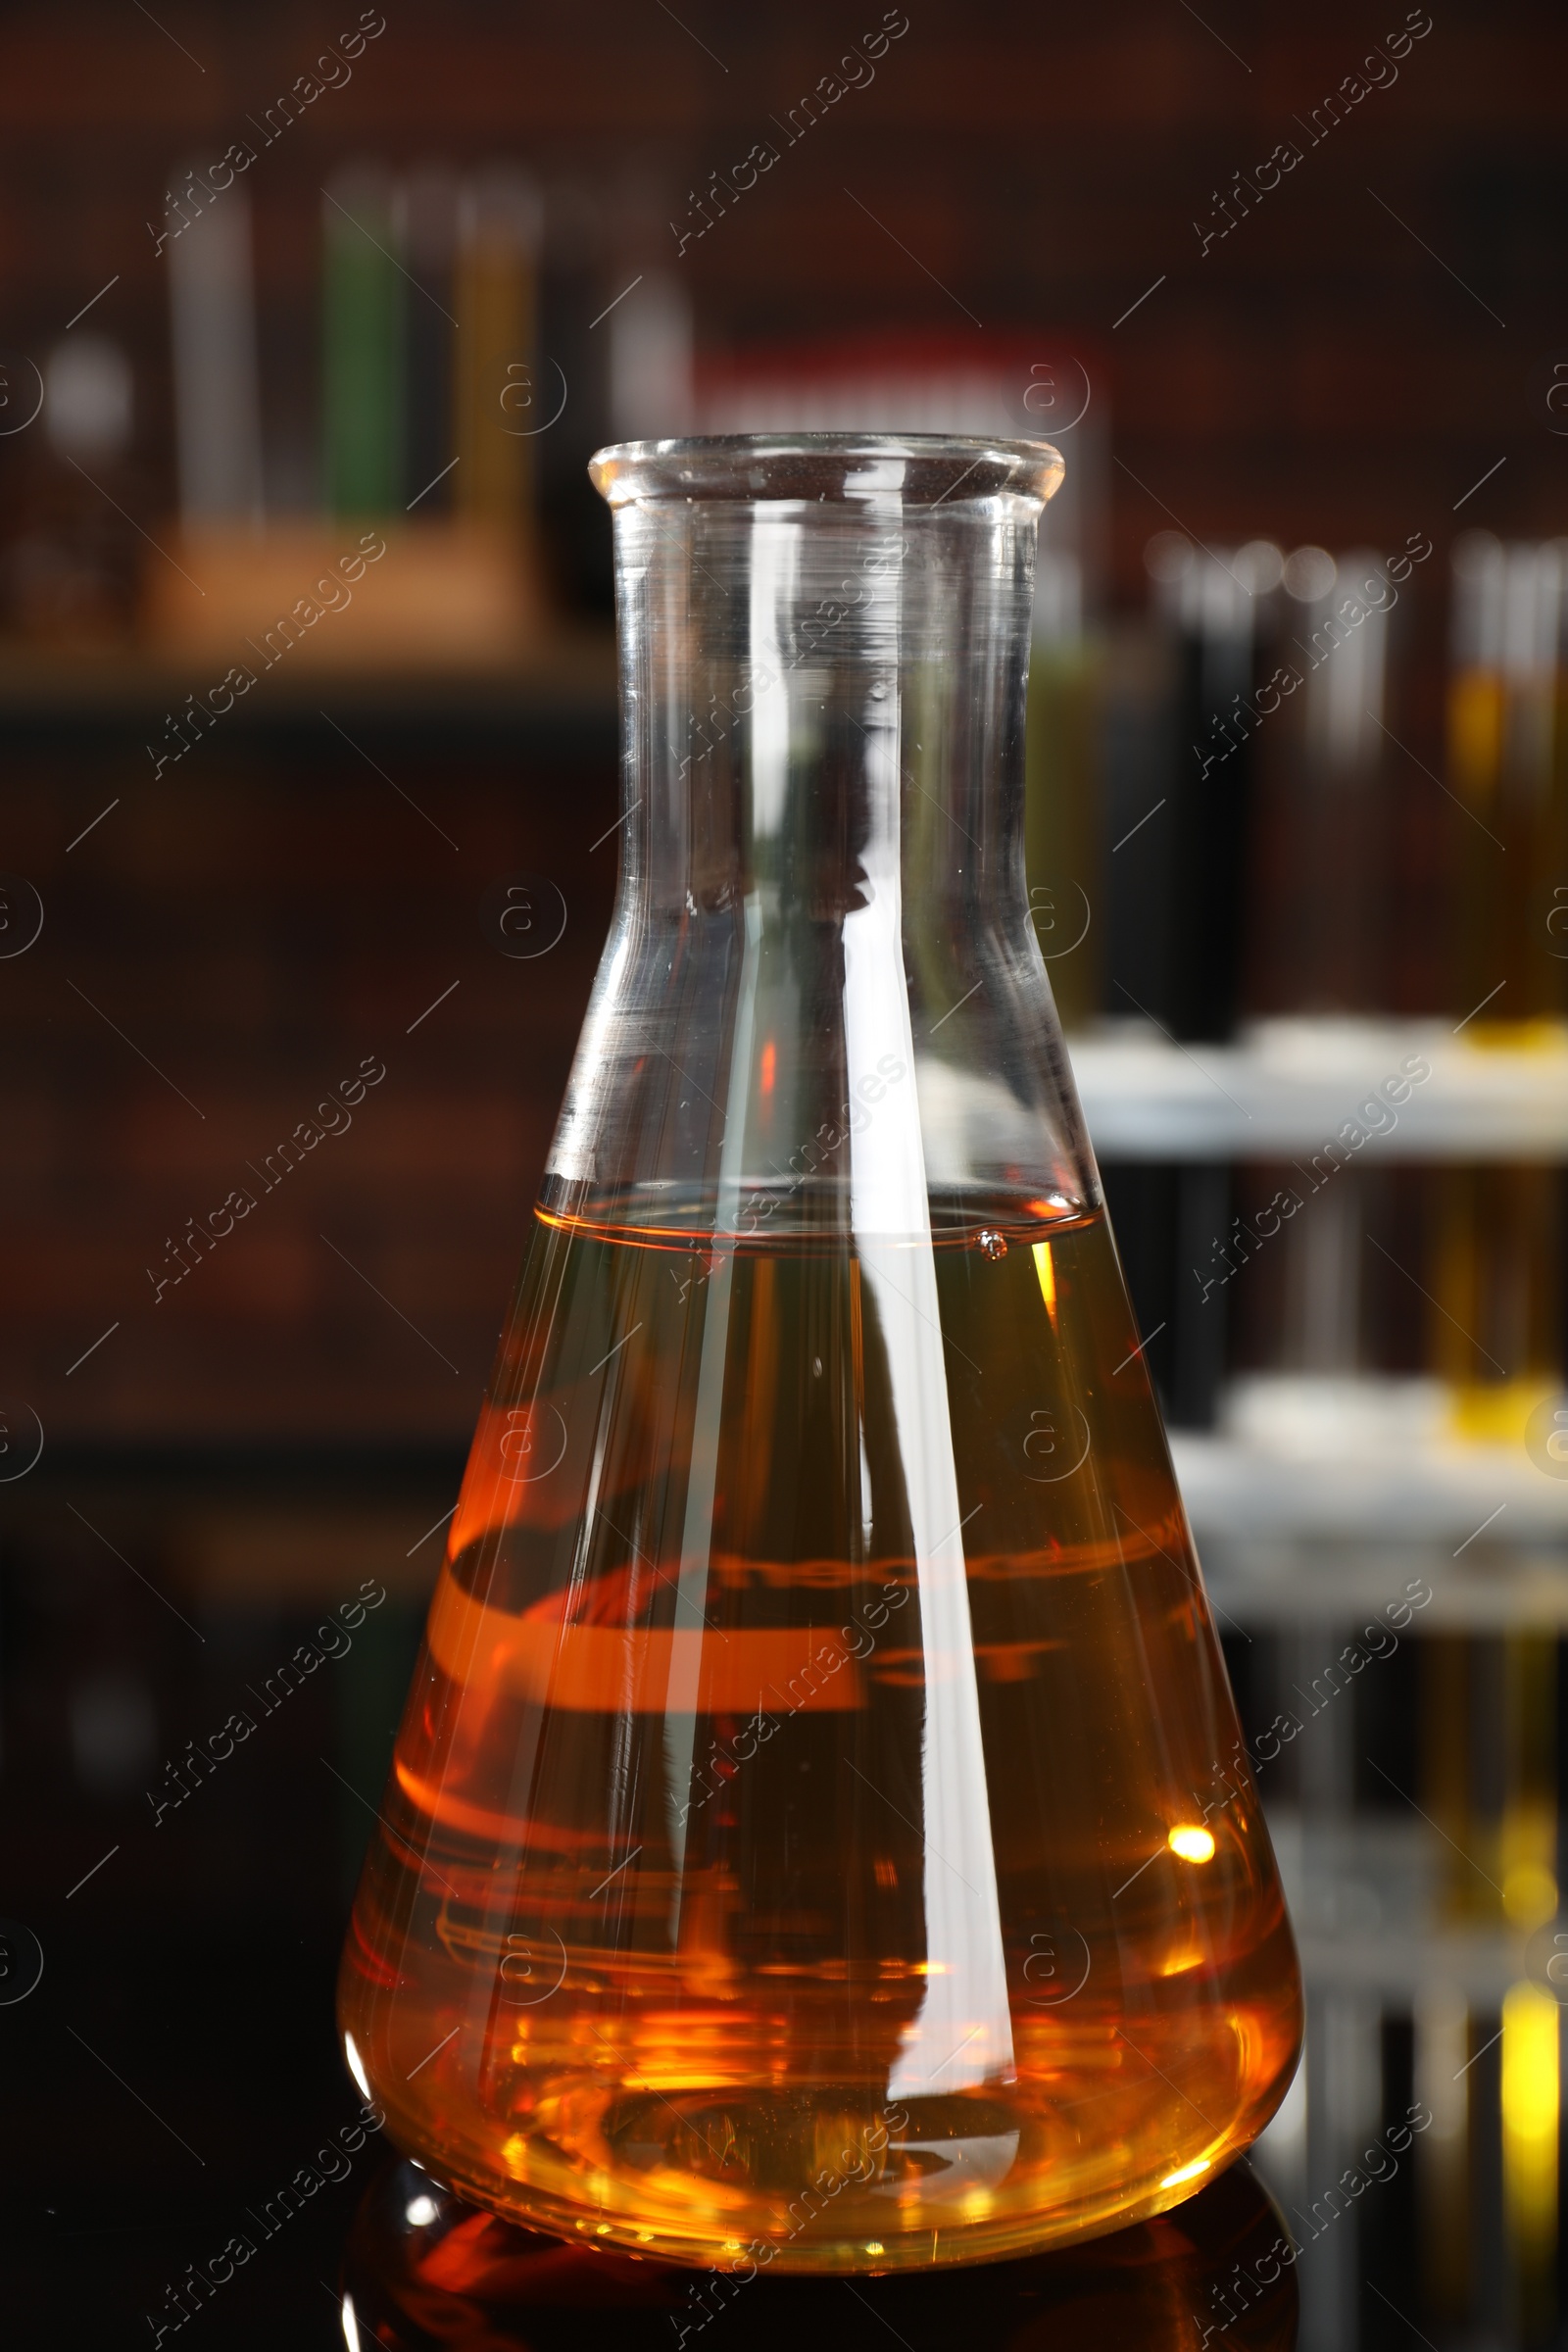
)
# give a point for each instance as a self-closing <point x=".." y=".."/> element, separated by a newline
<point x="817" y="700"/>
<point x="823" y="658"/>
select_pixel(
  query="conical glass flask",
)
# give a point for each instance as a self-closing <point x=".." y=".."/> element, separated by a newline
<point x="819" y="1836"/>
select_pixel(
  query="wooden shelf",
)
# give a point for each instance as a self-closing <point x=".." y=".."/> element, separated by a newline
<point x="568" y="680"/>
<point x="1284" y="1090"/>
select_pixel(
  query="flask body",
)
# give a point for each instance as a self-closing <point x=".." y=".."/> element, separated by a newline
<point x="819" y="1836"/>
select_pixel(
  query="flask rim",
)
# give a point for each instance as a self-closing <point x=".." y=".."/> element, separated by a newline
<point x="922" y="470"/>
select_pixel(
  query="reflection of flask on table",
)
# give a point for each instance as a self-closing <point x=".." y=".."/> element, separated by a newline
<point x="424" y="2271"/>
<point x="820" y="1830"/>
<point x="1498" y="1335"/>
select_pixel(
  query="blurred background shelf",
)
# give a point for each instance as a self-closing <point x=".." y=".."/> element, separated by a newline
<point x="1420" y="1492"/>
<point x="1280" y="1584"/>
<point x="1394" y="1966"/>
<point x="1375" y="1917"/>
<point x="1287" y="1087"/>
<point x="565" y="681"/>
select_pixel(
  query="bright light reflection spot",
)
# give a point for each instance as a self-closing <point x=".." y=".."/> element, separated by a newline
<point x="351" y="2326"/>
<point x="1531" y="2094"/>
<point x="1047" y="1273"/>
<point x="1176" y="1964"/>
<point x="1186" y="2171"/>
<point x="421" y="2212"/>
<point x="356" y="2065"/>
<point x="1529" y="1894"/>
<point x="1192" y="1843"/>
<point x="1530" y="2067"/>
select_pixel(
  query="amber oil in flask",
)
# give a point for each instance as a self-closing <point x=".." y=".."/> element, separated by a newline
<point x="819" y="1836"/>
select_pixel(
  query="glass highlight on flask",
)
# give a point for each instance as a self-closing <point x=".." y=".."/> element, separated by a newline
<point x="819" y="1836"/>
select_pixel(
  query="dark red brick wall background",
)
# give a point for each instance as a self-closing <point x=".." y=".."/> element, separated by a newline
<point x="271" y="911"/>
<point x="1319" y="374"/>
<point x="257" y="923"/>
